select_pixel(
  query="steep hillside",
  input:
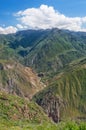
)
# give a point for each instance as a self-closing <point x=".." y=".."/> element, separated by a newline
<point x="65" y="96"/>
<point x="18" y="113"/>
<point x="59" y="59"/>
<point x="56" y="50"/>
<point x="17" y="79"/>
<point x="47" y="51"/>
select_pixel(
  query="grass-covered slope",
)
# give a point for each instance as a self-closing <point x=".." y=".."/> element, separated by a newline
<point x="59" y="58"/>
<point x="65" y="96"/>
<point x="44" y="50"/>
<point x="56" y="50"/>
<point x="19" y="114"/>
<point x="16" y="113"/>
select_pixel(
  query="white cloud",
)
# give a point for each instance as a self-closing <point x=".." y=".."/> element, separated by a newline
<point x="46" y="17"/>
<point x="7" y="30"/>
<point x="19" y="26"/>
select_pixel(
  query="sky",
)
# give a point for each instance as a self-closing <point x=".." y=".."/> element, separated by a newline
<point x="18" y="15"/>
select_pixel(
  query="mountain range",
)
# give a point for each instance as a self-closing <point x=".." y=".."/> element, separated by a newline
<point x="43" y="76"/>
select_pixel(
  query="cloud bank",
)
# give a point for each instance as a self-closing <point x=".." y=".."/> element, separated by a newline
<point x="8" y="30"/>
<point x="45" y="17"/>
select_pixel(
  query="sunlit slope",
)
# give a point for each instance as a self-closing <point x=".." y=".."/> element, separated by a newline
<point x="18" y="113"/>
<point x="45" y="51"/>
<point x="66" y="94"/>
<point x="19" y="80"/>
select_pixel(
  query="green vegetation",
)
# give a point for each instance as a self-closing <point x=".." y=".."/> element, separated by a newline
<point x="20" y="114"/>
<point x="66" y="92"/>
<point x="56" y="50"/>
<point x="46" y="51"/>
<point x="17" y="112"/>
<point x="43" y="79"/>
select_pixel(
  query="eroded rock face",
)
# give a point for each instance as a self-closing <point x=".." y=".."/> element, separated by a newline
<point x="51" y="105"/>
<point x="1" y="66"/>
<point x="19" y="80"/>
<point x="13" y="87"/>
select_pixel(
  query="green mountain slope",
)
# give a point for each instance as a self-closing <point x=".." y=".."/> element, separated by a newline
<point x="55" y="51"/>
<point x="65" y="96"/>
<point x="44" y="50"/>
<point x="18" y="113"/>
<point x="59" y="59"/>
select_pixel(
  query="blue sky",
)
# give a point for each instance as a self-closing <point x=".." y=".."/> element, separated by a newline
<point x="70" y="9"/>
